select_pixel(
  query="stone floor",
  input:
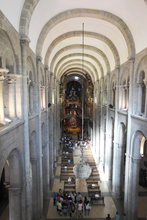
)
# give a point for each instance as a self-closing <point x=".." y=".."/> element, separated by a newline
<point x="98" y="212"/>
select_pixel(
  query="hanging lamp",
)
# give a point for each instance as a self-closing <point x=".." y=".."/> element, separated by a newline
<point x="82" y="170"/>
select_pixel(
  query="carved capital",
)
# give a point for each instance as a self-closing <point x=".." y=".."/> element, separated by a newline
<point x="11" y="78"/>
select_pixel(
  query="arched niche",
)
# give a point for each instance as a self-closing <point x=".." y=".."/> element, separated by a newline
<point x="141" y="87"/>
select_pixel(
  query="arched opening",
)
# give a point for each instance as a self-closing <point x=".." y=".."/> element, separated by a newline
<point x="135" y="197"/>
<point x="11" y="187"/>
<point x="76" y="96"/>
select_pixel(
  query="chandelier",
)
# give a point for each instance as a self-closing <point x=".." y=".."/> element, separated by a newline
<point x="82" y="170"/>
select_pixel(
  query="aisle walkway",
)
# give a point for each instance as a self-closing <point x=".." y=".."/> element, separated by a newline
<point x="85" y="187"/>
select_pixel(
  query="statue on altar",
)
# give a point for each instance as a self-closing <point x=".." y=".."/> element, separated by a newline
<point x="72" y="95"/>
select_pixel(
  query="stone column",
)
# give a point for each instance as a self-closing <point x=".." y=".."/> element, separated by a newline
<point x="101" y="128"/>
<point x="39" y="164"/>
<point x="128" y="148"/>
<point x="118" y="184"/>
<point x="115" y="160"/>
<point x="45" y="148"/>
<point x="133" y="189"/>
<point x="2" y="113"/>
<point x="145" y="112"/>
<point x="55" y="120"/>
<point x="27" y="212"/>
<point x="51" y="146"/>
<point x="94" y="122"/>
<point x="12" y="95"/>
<point x="15" y="203"/>
<point x="18" y="96"/>
<point x="57" y="117"/>
<point x="108" y="154"/>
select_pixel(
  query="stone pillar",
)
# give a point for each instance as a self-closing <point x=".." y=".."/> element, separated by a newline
<point x="27" y="212"/>
<point x="145" y="112"/>
<point x="45" y="148"/>
<point x="15" y="204"/>
<point x="133" y="189"/>
<point x="101" y="129"/>
<point x="55" y="120"/>
<point x="108" y="153"/>
<point x="57" y="116"/>
<point x="18" y="96"/>
<point x="51" y="146"/>
<point x="39" y="172"/>
<point x="35" y="189"/>
<point x="118" y="184"/>
<point x="2" y="113"/>
<point x="94" y="122"/>
<point x="115" y="160"/>
<point x="128" y="147"/>
<point x="12" y="95"/>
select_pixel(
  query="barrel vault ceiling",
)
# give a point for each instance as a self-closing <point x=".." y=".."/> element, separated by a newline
<point x="114" y="31"/>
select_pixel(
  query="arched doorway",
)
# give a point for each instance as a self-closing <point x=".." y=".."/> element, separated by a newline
<point x="138" y="144"/>
<point x="11" y="182"/>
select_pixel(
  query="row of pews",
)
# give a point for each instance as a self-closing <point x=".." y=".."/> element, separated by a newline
<point x="94" y="191"/>
<point x="67" y="175"/>
<point x="67" y="169"/>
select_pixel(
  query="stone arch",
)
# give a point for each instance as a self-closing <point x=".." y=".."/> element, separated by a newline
<point x="99" y="14"/>
<point x="80" y="61"/>
<point x="98" y="36"/>
<point x="77" y="65"/>
<point x="91" y="66"/>
<point x="138" y="139"/>
<point x="141" y="86"/>
<point x="14" y="182"/>
<point x="12" y="36"/>
<point x="8" y="96"/>
<point x="77" y="46"/>
<point x="26" y="13"/>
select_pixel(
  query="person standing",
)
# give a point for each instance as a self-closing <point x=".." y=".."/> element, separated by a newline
<point x="124" y="217"/>
<point x="54" y="196"/>
<point x="108" y="217"/>
<point x="117" y="216"/>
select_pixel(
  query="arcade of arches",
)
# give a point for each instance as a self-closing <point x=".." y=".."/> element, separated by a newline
<point x="58" y="80"/>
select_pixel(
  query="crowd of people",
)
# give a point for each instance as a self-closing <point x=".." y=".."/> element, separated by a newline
<point x="71" y="204"/>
